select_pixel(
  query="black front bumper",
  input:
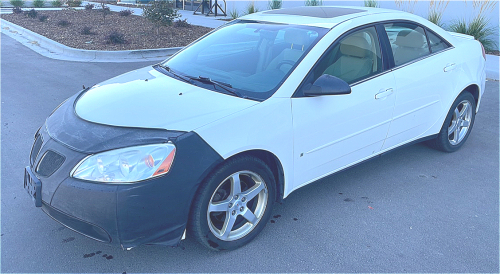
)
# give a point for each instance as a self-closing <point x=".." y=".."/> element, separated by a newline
<point x="154" y="211"/>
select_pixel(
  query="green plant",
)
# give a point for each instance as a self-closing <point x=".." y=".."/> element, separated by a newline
<point x="182" y="24"/>
<point x="371" y="4"/>
<point x="74" y="3"/>
<point x="125" y="12"/>
<point x="436" y="9"/>
<point x="38" y="3"/>
<point x="313" y="3"/>
<point x="86" y="30"/>
<point x="234" y="13"/>
<point x="160" y="13"/>
<point x="56" y="3"/>
<point x="17" y="3"/>
<point x="274" y="4"/>
<point x="43" y="18"/>
<point x="251" y="8"/>
<point x="89" y="6"/>
<point x="115" y="38"/>
<point x="17" y="10"/>
<point x="32" y="13"/>
<point x="63" y="23"/>
<point x="478" y="26"/>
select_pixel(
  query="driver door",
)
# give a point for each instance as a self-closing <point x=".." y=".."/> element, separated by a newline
<point x="332" y="132"/>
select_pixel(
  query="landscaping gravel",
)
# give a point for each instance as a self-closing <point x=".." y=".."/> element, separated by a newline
<point x="135" y="32"/>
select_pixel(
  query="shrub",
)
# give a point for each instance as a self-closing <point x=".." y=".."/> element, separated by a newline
<point x="63" y="23"/>
<point x="160" y="13"/>
<point x="234" y="13"/>
<point x="313" y="2"/>
<point x="89" y="6"/>
<point x="436" y="9"/>
<point x="17" y="3"/>
<point x="105" y="11"/>
<point x="56" y="3"/>
<point x="182" y="24"/>
<point x="274" y="4"/>
<point x="115" y="38"/>
<point x="125" y="12"/>
<point x="251" y="8"/>
<point x="38" y="3"/>
<point x="32" y="13"/>
<point x="74" y="3"/>
<point x="17" y="10"/>
<point x="43" y="18"/>
<point x="371" y="3"/>
<point x="86" y="30"/>
<point x="477" y="27"/>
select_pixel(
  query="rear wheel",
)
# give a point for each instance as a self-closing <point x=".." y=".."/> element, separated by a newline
<point x="233" y="204"/>
<point x="457" y="125"/>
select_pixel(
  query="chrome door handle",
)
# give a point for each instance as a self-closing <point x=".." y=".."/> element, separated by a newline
<point x="449" y="67"/>
<point x="383" y="93"/>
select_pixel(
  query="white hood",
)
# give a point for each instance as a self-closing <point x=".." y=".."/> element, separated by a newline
<point x="147" y="98"/>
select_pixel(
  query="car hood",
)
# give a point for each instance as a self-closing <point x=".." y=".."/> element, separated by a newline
<point x="146" y="98"/>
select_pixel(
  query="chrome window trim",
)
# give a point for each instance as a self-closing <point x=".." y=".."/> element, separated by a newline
<point x="421" y="58"/>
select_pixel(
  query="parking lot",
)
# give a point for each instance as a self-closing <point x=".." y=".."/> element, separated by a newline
<point x="412" y="210"/>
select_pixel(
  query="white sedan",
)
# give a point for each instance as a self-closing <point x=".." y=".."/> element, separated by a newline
<point x="207" y="141"/>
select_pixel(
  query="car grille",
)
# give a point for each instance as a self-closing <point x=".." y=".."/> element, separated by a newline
<point x="50" y="162"/>
<point x="36" y="148"/>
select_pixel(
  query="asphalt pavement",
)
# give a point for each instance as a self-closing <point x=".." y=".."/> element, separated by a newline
<point x="412" y="210"/>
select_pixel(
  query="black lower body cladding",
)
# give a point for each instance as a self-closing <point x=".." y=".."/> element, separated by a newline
<point x="154" y="211"/>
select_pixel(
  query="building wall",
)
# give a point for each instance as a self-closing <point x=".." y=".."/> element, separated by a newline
<point x="455" y="9"/>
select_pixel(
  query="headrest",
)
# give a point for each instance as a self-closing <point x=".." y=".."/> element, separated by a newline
<point x="355" y="46"/>
<point x="410" y="38"/>
<point x="296" y="37"/>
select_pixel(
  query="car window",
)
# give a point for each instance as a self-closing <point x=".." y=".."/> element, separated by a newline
<point x="353" y="58"/>
<point x="408" y="42"/>
<point x="251" y="59"/>
<point x="437" y="44"/>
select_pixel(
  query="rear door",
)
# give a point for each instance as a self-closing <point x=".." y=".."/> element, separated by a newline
<point x="424" y="68"/>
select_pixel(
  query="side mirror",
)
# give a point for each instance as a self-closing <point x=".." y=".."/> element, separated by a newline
<point x="327" y="85"/>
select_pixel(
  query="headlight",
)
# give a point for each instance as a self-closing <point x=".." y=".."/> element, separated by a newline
<point x="126" y="165"/>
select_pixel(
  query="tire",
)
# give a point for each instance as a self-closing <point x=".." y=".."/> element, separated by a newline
<point x="249" y="209"/>
<point x="457" y="125"/>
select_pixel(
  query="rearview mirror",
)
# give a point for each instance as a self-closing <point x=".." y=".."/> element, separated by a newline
<point x="328" y="85"/>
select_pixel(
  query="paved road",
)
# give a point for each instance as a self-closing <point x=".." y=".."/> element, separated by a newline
<point x="432" y="211"/>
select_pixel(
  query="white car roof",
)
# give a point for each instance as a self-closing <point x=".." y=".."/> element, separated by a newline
<point x="319" y="16"/>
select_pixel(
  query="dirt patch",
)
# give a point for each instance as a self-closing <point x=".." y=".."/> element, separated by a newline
<point x="136" y="31"/>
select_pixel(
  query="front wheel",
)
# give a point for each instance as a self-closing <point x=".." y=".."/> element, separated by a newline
<point x="457" y="125"/>
<point x="233" y="204"/>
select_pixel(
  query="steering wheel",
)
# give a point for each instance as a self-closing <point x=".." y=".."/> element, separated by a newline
<point x="285" y="62"/>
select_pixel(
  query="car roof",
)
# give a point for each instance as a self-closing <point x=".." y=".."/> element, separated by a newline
<point x="319" y="16"/>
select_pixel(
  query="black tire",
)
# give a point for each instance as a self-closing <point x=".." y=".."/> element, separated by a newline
<point x="442" y="141"/>
<point x="208" y="226"/>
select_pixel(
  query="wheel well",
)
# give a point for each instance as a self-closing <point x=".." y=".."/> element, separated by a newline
<point x="474" y="90"/>
<point x="274" y="164"/>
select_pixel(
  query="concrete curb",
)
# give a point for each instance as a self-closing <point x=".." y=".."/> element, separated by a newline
<point x="492" y="67"/>
<point x="55" y="50"/>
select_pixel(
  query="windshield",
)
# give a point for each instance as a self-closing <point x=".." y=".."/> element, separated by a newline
<point x="245" y="58"/>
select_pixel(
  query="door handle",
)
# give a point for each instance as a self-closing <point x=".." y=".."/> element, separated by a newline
<point x="383" y="93"/>
<point x="449" y="67"/>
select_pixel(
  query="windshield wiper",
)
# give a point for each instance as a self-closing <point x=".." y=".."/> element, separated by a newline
<point x="176" y="74"/>
<point x="225" y="86"/>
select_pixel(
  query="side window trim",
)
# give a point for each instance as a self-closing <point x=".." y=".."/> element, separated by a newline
<point x="385" y="47"/>
<point x="298" y="94"/>
<point x="426" y="29"/>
